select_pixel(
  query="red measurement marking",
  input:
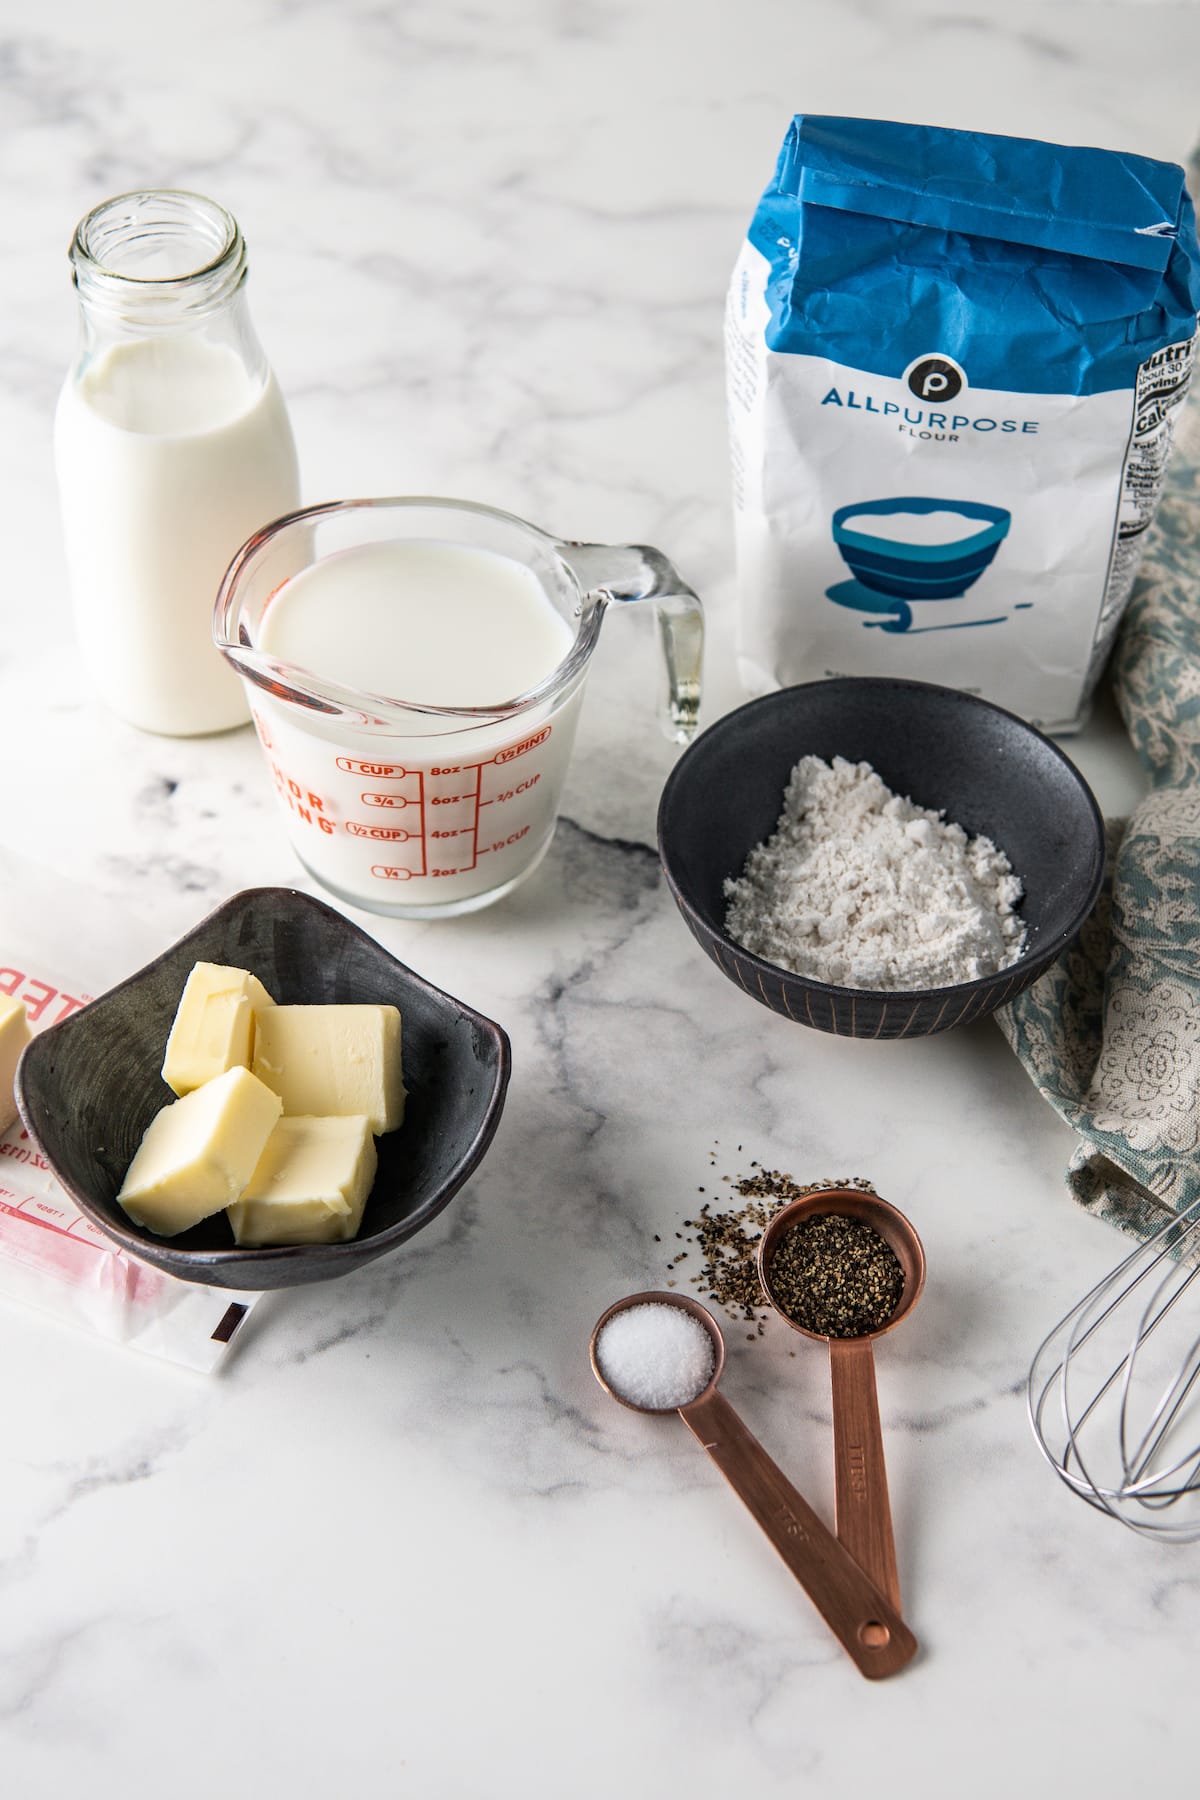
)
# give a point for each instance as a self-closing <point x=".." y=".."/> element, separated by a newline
<point x="76" y="1228"/>
<point x="453" y="785"/>
<point x="514" y="793"/>
<point x="514" y="837"/>
<point x="444" y="836"/>
<point x="529" y="743"/>
<point x="475" y="820"/>
<point x="379" y="771"/>
<point x="76" y="1254"/>
<point x="395" y="834"/>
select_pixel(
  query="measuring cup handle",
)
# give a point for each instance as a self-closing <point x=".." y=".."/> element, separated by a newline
<point x="627" y="574"/>
<point x="863" y="1511"/>
<point x="862" y="1619"/>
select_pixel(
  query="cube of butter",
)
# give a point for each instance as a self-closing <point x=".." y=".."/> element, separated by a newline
<point x="14" y="1035"/>
<point x="326" y="1060"/>
<point x="198" y="1153"/>
<point x="214" y="1025"/>
<point x="311" y="1183"/>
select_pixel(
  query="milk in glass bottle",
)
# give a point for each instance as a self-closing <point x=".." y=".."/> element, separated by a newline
<point x="172" y="445"/>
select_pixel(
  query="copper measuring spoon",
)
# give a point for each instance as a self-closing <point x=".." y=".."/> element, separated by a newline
<point x="862" y="1510"/>
<point x="866" y="1624"/>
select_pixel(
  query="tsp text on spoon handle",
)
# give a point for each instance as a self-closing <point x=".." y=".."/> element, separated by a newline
<point x="862" y="1619"/>
<point x="864" y="1514"/>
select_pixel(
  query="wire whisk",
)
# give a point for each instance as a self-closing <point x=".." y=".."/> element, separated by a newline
<point x="1114" y="1390"/>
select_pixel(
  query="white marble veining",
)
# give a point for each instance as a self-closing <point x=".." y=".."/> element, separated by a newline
<point x="403" y="1544"/>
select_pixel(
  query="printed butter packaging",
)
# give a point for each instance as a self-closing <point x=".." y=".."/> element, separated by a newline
<point x="953" y="365"/>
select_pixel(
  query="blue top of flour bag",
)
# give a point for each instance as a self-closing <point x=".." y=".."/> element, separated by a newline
<point x="1036" y="267"/>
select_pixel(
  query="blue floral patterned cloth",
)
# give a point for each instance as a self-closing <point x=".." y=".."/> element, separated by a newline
<point x="1111" y="1034"/>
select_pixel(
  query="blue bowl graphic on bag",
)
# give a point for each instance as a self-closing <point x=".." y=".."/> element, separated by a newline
<point x="886" y="559"/>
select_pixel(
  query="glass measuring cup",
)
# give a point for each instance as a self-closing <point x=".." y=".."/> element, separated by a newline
<point x="863" y="1511"/>
<point x="420" y="810"/>
<point x="865" y="1622"/>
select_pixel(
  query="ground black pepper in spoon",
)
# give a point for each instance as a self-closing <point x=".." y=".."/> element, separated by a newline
<point x="864" y="1522"/>
<point x="836" y="1276"/>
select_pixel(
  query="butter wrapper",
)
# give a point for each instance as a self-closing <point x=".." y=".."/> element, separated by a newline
<point x="51" y="1257"/>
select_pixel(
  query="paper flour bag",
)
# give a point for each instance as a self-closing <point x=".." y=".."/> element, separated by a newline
<point x="953" y="363"/>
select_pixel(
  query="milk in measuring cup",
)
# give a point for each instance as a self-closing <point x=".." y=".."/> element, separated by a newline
<point x="437" y="816"/>
<point x="433" y="624"/>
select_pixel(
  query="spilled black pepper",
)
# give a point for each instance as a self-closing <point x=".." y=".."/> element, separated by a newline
<point x="728" y="1237"/>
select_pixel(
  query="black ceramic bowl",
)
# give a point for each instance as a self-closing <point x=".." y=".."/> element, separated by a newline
<point x="986" y="769"/>
<point x="88" y="1088"/>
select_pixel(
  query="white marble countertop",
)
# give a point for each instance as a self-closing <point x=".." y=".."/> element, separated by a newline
<point x="402" y="1544"/>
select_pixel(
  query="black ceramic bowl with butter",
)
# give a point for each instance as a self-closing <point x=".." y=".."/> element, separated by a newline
<point x="986" y="769"/>
<point x="88" y="1087"/>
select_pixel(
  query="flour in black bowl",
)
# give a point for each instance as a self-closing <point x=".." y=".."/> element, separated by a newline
<point x="859" y="888"/>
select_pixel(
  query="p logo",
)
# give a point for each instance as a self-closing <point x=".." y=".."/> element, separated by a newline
<point x="935" y="379"/>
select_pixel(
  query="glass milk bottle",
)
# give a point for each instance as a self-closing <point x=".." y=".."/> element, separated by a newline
<point x="172" y="446"/>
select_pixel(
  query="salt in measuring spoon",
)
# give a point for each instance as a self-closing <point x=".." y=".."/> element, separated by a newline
<point x="863" y="1511"/>
<point x="865" y="1623"/>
